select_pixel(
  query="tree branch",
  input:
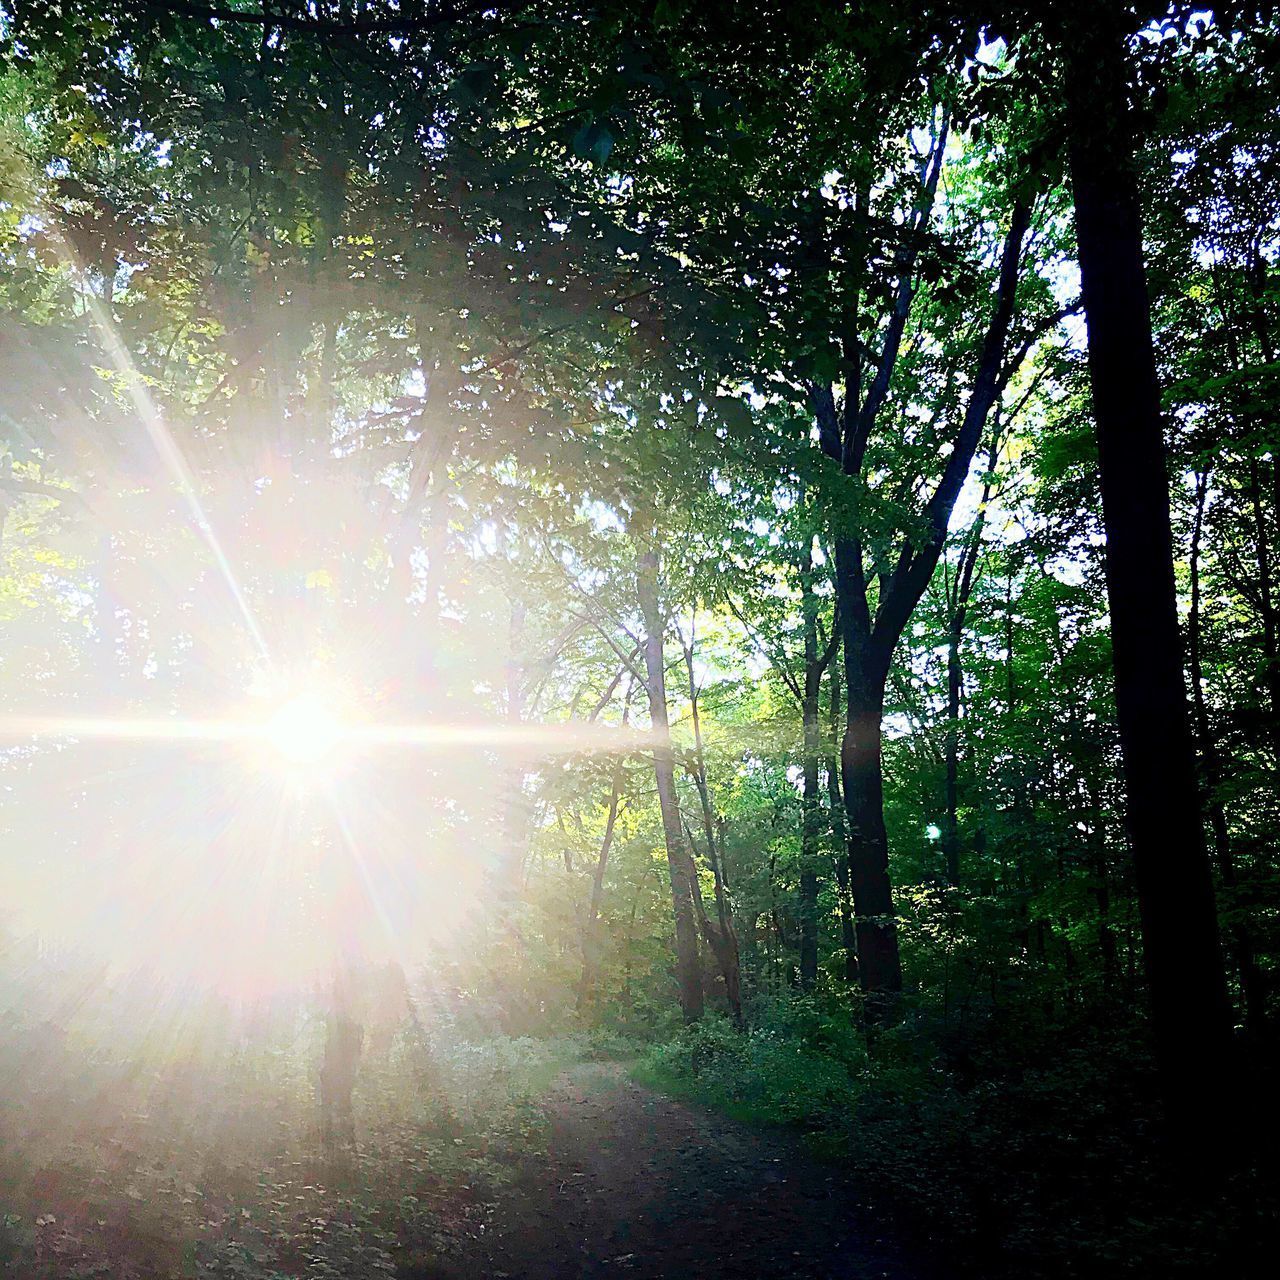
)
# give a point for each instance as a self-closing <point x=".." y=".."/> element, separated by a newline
<point x="863" y="423"/>
<point x="914" y="570"/>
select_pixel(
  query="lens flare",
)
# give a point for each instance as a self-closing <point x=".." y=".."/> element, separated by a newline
<point x="306" y="730"/>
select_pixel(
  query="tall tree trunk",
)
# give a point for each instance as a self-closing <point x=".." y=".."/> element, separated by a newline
<point x="688" y="970"/>
<point x="861" y="770"/>
<point x="1175" y="889"/>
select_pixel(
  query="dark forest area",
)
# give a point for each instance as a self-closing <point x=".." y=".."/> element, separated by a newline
<point x="639" y="639"/>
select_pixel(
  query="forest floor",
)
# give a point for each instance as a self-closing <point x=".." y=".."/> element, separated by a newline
<point x="635" y="1184"/>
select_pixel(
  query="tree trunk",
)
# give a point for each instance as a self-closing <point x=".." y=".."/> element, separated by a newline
<point x="722" y="938"/>
<point x="1175" y="889"/>
<point x="879" y="964"/>
<point x="688" y="971"/>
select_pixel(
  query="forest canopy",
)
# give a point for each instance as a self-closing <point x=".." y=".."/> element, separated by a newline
<point x="736" y="538"/>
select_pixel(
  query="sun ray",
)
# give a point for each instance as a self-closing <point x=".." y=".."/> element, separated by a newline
<point x="18" y="728"/>
<point x="372" y="895"/>
<point x="174" y="462"/>
<point x="157" y="432"/>
<point x="427" y="735"/>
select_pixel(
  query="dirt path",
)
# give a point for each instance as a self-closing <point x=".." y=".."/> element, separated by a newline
<point x="637" y="1185"/>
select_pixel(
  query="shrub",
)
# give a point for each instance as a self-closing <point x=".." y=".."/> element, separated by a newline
<point x="765" y="1074"/>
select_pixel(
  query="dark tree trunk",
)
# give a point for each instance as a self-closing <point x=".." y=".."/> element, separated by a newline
<point x="679" y="864"/>
<point x="1175" y="888"/>
<point x="879" y="965"/>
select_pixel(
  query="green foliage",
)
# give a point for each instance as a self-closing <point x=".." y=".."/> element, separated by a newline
<point x="135" y="1148"/>
<point x="765" y="1075"/>
<point x="992" y="1141"/>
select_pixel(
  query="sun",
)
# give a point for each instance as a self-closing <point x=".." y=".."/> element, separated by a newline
<point x="305" y="730"/>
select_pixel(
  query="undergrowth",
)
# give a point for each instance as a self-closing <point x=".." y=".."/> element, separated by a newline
<point x="1044" y="1160"/>
<point x="192" y="1151"/>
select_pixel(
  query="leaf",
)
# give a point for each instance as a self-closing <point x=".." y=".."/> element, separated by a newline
<point x="593" y="142"/>
<point x="734" y="414"/>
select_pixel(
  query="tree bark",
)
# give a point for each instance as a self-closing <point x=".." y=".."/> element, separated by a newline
<point x="688" y="970"/>
<point x="1175" y="889"/>
<point x="861" y="770"/>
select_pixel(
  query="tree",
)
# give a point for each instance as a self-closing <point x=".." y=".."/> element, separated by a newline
<point x="1175" y="888"/>
<point x="870" y="632"/>
<point x="679" y="864"/>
